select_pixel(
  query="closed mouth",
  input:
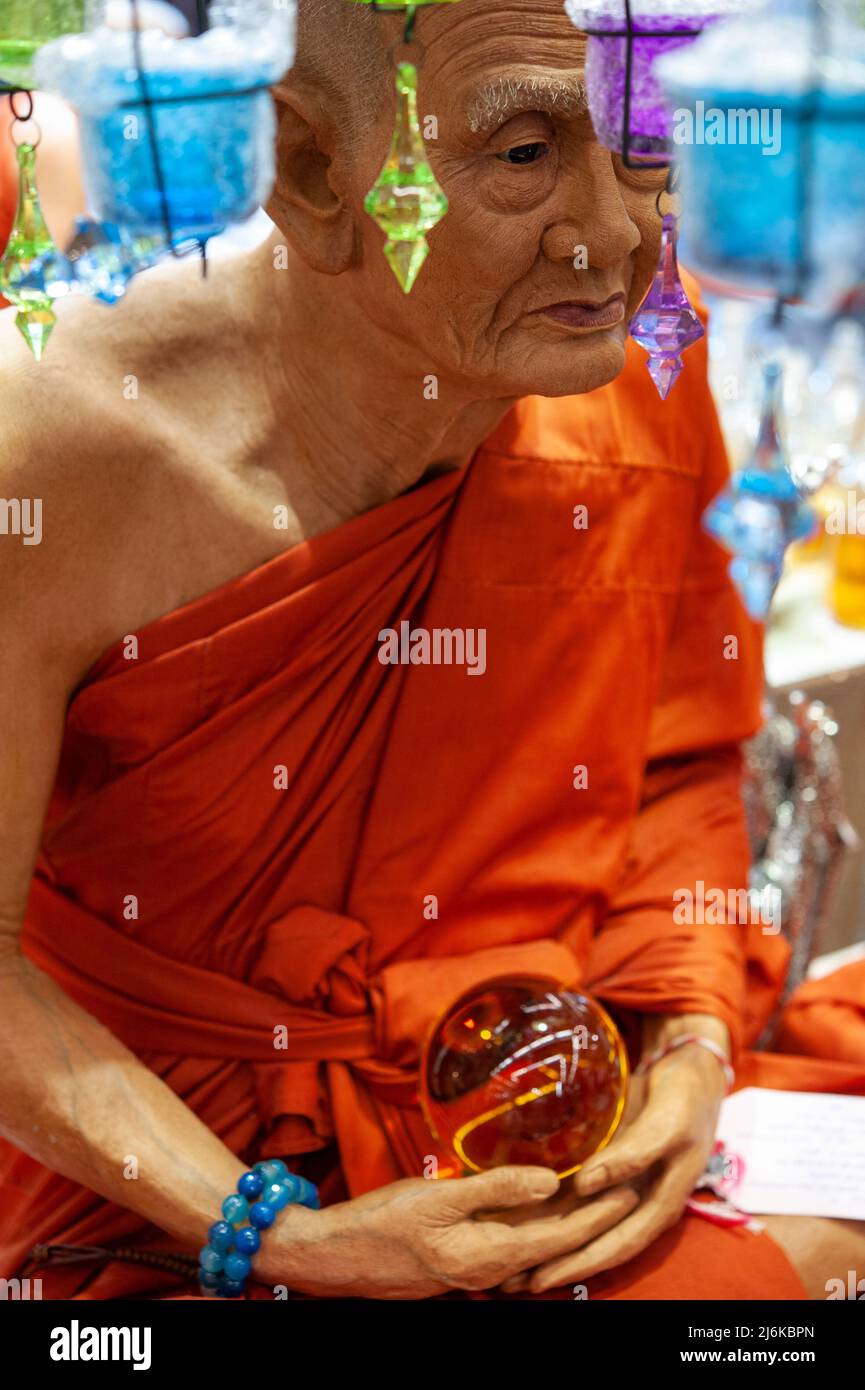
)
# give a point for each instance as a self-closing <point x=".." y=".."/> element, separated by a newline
<point x="586" y="313"/>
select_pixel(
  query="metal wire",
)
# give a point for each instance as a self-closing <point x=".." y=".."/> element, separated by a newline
<point x="153" y="140"/>
<point x="409" y="33"/>
<point x="203" y="96"/>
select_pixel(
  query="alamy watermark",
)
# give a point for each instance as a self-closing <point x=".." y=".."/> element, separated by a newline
<point x="437" y="646"/>
<point x="20" y="1290"/>
<point x="853" y="1288"/>
<point x="716" y="906"/>
<point x="846" y="515"/>
<point x="738" y="125"/>
<point x="77" y="1343"/>
<point x="22" y="516"/>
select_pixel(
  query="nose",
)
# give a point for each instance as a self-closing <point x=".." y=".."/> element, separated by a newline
<point x="593" y="215"/>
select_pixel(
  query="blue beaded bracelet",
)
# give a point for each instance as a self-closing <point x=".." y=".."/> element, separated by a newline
<point x="225" y="1263"/>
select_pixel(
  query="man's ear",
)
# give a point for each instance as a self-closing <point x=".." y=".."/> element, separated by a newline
<point x="305" y="205"/>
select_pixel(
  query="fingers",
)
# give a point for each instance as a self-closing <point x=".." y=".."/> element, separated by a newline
<point x="561" y="1202"/>
<point x="552" y="1236"/>
<point x="656" y="1132"/>
<point x="660" y="1209"/>
<point x="500" y="1187"/>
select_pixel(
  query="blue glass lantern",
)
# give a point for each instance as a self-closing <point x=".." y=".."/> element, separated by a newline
<point x="177" y="135"/>
<point x="768" y="115"/>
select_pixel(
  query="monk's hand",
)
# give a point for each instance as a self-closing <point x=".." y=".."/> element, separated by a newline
<point x="661" y="1152"/>
<point x="417" y="1238"/>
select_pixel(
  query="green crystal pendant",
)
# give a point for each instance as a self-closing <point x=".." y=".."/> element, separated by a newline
<point x="406" y="200"/>
<point x="30" y="239"/>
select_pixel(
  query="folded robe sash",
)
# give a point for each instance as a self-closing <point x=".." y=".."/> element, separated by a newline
<point x="152" y="1003"/>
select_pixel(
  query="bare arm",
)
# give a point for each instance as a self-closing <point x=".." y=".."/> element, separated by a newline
<point x="72" y="1096"/>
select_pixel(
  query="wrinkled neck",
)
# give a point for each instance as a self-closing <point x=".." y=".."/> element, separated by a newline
<point x="354" y="407"/>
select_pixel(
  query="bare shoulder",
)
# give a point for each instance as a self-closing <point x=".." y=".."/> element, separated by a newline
<point x="131" y="441"/>
<point x="91" y="444"/>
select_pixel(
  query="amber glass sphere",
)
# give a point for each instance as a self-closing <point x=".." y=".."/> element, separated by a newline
<point x="522" y="1070"/>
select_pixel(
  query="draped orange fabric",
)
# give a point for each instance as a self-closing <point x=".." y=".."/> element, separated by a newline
<point x="826" y="1018"/>
<point x="271" y="860"/>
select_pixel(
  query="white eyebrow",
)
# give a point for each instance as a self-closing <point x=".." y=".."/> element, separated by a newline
<point x="508" y="96"/>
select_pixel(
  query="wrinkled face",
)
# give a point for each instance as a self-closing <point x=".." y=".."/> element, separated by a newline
<point x="500" y="301"/>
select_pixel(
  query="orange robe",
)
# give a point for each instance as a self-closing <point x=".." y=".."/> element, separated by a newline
<point x="287" y="810"/>
<point x="826" y="1017"/>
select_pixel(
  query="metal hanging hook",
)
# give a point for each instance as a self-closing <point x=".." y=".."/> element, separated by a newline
<point x="409" y="37"/>
<point x="670" y="189"/>
<point x="23" y="119"/>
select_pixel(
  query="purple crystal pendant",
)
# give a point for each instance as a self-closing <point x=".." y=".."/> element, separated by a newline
<point x="665" y="323"/>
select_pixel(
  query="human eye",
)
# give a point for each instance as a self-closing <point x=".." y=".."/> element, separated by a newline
<point x="525" y="154"/>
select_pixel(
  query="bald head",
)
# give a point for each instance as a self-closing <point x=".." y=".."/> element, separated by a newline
<point x="342" y="48"/>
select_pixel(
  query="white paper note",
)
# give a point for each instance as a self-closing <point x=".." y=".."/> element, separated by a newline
<point x="803" y="1152"/>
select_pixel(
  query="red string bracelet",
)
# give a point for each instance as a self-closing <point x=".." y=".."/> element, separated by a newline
<point x="682" y="1040"/>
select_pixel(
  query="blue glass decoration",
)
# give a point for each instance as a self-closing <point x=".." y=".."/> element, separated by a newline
<point x="769" y="131"/>
<point x="761" y="510"/>
<point x="177" y="135"/>
<point x="100" y="260"/>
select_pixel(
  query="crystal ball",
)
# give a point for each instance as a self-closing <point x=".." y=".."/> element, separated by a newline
<point x="523" y="1070"/>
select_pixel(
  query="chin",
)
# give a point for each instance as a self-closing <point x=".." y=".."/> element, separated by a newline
<point x="571" y="366"/>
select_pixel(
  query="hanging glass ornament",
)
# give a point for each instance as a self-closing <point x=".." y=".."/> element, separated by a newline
<point x="25" y="25"/>
<point x="626" y="38"/>
<point x="824" y="371"/>
<point x="666" y="322"/>
<point x="761" y="511"/>
<point x="30" y="240"/>
<point x="178" y="136"/>
<point x="406" y="200"/>
<point x="99" y="261"/>
<point x="104" y="258"/>
<point x="770" y="135"/>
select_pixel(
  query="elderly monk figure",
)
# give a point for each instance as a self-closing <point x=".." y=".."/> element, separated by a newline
<point x="246" y="862"/>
